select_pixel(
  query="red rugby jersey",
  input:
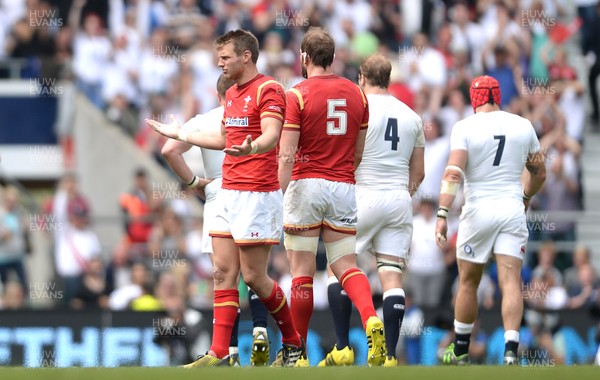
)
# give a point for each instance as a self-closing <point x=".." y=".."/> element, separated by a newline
<point x="245" y="107"/>
<point x="328" y="111"/>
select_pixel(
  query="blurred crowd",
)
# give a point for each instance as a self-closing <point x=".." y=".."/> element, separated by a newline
<point x="138" y="59"/>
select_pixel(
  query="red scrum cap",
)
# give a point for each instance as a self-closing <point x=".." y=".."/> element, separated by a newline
<point x="484" y="89"/>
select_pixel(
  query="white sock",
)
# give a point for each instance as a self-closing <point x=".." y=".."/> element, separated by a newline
<point x="234" y="351"/>
<point x="511" y="335"/>
<point x="462" y="328"/>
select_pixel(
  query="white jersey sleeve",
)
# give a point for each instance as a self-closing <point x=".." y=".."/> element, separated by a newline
<point x="210" y="121"/>
<point x="497" y="145"/>
<point x="394" y="131"/>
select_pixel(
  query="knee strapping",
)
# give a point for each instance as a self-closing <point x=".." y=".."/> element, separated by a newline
<point x="338" y="249"/>
<point x="387" y="265"/>
<point x="300" y="243"/>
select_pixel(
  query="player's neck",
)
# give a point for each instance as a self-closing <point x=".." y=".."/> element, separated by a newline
<point x="315" y="71"/>
<point x="247" y="76"/>
<point x="374" y="90"/>
<point x="487" y="108"/>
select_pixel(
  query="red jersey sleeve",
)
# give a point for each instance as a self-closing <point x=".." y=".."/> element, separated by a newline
<point x="294" y="106"/>
<point x="270" y="98"/>
<point x="365" y="119"/>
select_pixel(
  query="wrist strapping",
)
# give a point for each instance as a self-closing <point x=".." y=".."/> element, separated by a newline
<point x="182" y="135"/>
<point x="527" y="197"/>
<point x="442" y="212"/>
<point x="194" y="182"/>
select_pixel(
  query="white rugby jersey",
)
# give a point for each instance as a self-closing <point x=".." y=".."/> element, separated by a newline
<point x="394" y="131"/>
<point x="210" y="121"/>
<point x="497" y="145"/>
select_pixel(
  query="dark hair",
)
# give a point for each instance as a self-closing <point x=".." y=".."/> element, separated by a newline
<point x="242" y="40"/>
<point x="319" y="46"/>
<point x="223" y="84"/>
<point x="376" y="69"/>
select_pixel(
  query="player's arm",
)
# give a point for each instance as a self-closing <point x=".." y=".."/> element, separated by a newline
<point x="416" y="171"/>
<point x="173" y="151"/>
<point x="288" y="146"/>
<point x="271" y="105"/>
<point x="204" y="139"/>
<point x="360" y="147"/>
<point x="534" y="176"/>
<point x="270" y="128"/>
<point x="451" y="181"/>
<point x="362" y="133"/>
<point x="416" y="165"/>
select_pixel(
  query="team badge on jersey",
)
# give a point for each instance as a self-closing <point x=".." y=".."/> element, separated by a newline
<point x="247" y="99"/>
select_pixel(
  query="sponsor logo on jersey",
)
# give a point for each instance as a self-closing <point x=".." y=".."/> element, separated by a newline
<point x="236" y="121"/>
<point x="275" y="108"/>
<point x="469" y="251"/>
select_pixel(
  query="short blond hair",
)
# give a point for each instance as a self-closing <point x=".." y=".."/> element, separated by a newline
<point x="376" y="69"/>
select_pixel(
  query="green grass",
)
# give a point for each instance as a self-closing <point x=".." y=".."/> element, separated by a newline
<point x="346" y="373"/>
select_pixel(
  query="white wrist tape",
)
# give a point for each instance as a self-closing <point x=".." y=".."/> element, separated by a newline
<point x="182" y="135"/>
<point x="254" y="146"/>
<point x="195" y="182"/>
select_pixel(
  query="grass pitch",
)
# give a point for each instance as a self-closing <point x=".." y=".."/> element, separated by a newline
<point x="338" y="373"/>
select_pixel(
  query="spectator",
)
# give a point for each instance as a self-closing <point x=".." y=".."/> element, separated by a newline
<point x="121" y="297"/>
<point x="581" y="257"/>
<point x="561" y="190"/>
<point x="167" y="238"/>
<point x="91" y="50"/>
<point x="591" y="48"/>
<point x="159" y="65"/>
<point x="506" y="70"/>
<point x="588" y="291"/>
<point x="569" y="93"/>
<point x="426" y="268"/>
<point x="546" y="257"/>
<point x="93" y="289"/>
<point x="426" y="69"/>
<point x="456" y="109"/>
<point x="437" y="149"/>
<point x="467" y="36"/>
<point x="13" y="297"/>
<point x="138" y="210"/>
<point x="12" y="238"/>
<point x="148" y="300"/>
<point x="77" y="244"/>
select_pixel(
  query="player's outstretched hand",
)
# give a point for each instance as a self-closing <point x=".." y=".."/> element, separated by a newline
<point x="441" y="229"/>
<point x="240" y="150"/>
<point x="169" y="130"/>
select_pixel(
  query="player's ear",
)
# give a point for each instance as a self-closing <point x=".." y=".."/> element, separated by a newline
<point x="304" y="55"/>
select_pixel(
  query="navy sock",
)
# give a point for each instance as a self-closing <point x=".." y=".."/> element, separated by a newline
<point x="461" y="344"/>
<point x="258" y="310"/>
<point x="393" y="313"/>
<point x="341" y="311"/>
<point x="233" y="342"/>
<point x="511" y="346"/>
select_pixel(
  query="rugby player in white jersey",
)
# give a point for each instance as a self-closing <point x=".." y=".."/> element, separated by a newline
<point x="390" y="172"/>
<point x="207" y="188"/>
<point x="489" y="151"/>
